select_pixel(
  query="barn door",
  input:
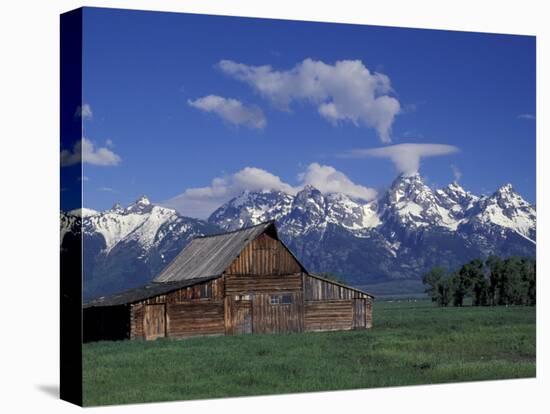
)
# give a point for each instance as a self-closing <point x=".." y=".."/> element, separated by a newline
<point x="359" y="313"/>
<point x="243" y="316"/>
<point x="154" y="322"/>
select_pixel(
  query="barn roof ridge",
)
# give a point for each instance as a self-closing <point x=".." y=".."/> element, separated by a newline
<point x="210" y="256"/>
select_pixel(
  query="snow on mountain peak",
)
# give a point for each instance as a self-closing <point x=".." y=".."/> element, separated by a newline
<point x="506" y="208"/>
<point x="410" y="202"/>
<point x="143" y="201"/>
<point x="250" y="208"/>
<point x="506" y="189"/>
<point x="308" y="188"/>
<point x="456" y="199"/>
<point x="139" y="221"/>
<point x="141" y="205"/>
<point x="456" y="188"/>
<point x="309" y="209"/>
<point x="117" y="208"/>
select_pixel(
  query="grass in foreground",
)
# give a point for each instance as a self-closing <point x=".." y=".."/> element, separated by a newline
<point x="411" y="343"/>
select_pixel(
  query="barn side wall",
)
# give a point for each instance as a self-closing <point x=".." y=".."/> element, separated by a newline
<point x="191" y="311"/>
<point x="264" y="289"/>
<point x="329" y="306"/>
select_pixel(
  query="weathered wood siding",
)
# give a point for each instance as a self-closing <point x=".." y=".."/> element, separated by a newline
<point x="359" y="313"/>
<point x="195" y="318"/>
<point x="278" y="318"/>
<point x="194" y="310"/>
<point x="264" y="255"/>
<point x="319" y="289"/>
<point x="154" y="321"/>
<point x="238" y="315"/>
<point x="329" y="315"/>
<point x="248" y="284"/>
<point x="255" y="313"/>
<point x="264" y="270"/>
<point x="331" y="306"/>
<point x="369" y="313"/>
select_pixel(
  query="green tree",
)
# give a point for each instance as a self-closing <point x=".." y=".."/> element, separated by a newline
<point x="510" y="281"/>
<point x="431" y="280"/>
<point x="515" y="288"/>
<point x="444" y="292"/>
<point x="495" y="266"/>
<point x="531" y="281"/>
<point x="474" y="280"/>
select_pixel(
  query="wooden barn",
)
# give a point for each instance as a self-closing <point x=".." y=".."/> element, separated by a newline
<point x="241" y="282"/>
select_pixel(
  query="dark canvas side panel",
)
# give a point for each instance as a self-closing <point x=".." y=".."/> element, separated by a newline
<point x="71" y="198"/>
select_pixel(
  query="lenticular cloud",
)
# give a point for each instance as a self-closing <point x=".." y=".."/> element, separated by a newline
<point x="406" y="157"/>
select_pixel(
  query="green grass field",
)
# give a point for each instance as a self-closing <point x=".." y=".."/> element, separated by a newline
<point x="411" y="343"/>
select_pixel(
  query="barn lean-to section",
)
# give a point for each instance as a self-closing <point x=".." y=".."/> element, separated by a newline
<point x="241" y="282"/>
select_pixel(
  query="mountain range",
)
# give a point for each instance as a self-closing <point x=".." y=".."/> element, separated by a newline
<point x="388" y="242"/>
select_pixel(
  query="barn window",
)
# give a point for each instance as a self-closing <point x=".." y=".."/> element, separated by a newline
<point x="281" y="299"/>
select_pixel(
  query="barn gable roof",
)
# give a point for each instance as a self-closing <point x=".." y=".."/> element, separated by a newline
<point x="209" y="256"/>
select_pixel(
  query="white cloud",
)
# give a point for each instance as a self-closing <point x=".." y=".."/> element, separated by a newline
<point x="329" y="180"/>
<point x="406" y="157"/>
<point x="84" y="111"/>
<point x="85" y="151"/>
<point x="202" y="201"/>
<point x="231" y="110"/>
<point x="457" y="174"/>
<point x="107" y="189"/>
<point x="344" y="91"/>
<point x="527" y="116"/>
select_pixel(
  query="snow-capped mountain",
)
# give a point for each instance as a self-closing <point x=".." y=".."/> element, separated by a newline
<point x="410" y="228"/>
<point x="455" y="199"/>
<point x="125" y="247"/>
<point x="251" y="208"/>
<point x="409" y="203"/>
<point x="312" y="211"/>
<point x="503" y="214"/>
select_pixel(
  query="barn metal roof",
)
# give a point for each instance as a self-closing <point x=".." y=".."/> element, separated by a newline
<point x="148" y="291"/>
<point x="209" y="256"/>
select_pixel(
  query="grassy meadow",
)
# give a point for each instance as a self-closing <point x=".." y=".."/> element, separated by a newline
<point x="410" y="343"/>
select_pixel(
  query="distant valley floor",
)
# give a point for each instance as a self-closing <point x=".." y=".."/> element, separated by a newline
<point x="412" y="342"/>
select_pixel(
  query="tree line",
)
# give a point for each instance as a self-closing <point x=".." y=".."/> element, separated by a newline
<point x="495" y="281"/>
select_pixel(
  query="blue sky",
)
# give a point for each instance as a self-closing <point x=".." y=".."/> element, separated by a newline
<point x="162" y="115"/>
